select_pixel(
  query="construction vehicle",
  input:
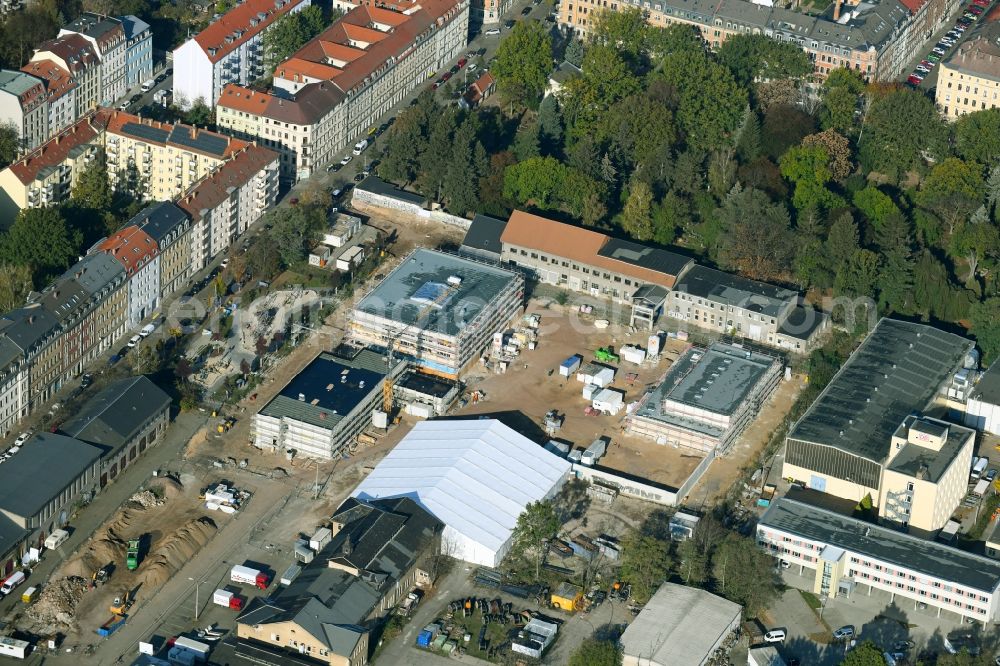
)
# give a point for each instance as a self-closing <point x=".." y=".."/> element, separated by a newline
<point x="226" y="425"/>
<point x="112" y="625"/>
<point x="122" y="603"/>
<point x="567" y="597"/>
<point x="100" y="576"/>
<point x="132" y="557"/>
<point x="606" y="355"/>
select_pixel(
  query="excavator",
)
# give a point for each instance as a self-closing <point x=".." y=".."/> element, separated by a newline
<point x="122" y="603"/>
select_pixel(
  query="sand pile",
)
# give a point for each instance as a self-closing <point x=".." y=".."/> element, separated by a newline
<point x="174" y="551"/>
<point x="53" y="612"/>
<point x="145" y="499"/>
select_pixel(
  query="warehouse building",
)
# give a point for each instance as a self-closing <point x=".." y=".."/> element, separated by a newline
<point x="845" y="553"/>
<point x="475" y="476"/>
<point x="844" y="442"/>
<point x="323" y="408"/>
<point x="707" y="398"/>
<point x="438" y="310"/>
<point x="982" y="409"/>
<point x="680" y="625"/>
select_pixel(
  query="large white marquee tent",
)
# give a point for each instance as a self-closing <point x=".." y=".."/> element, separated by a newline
<point x="475" y="476"/>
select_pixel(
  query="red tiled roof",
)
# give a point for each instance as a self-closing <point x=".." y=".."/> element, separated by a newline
<point x="73" y="49"/>
<point x="56" y="150"/>
<point x="310" y="104"/>
<point x="913" y="5"/>
<point x="296" y="69"/>
<point x="212" y="190"/>
<point x="131" y="246"/>
<point x="239" y="19"/>
<point x="57" y="80"/>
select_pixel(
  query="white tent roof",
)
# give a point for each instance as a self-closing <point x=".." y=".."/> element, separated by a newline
<point x="476" y="476"/>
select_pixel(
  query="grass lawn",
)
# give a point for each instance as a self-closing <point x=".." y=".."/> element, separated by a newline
<point x="811" y="599"/>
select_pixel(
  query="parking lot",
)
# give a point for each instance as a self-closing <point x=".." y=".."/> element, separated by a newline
<point x="924" y="72"/>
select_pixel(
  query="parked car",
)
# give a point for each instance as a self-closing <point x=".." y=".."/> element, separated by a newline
<point x="927" y="63"/>
<point x="333" y="168"/>
<point x="525" y="11"/>
<point x="991" y="475"/>
<point x="914" y="80"/>
<point x="347" y="158"/>
<point x="337" y="192"/>
<point x="845" y="633"/>
<point x="454" y="70"/>
<point x="775" y="636"/>
<point x="492" y="32"/>
<point x="446" y="76"/>
<point x="22" y="438"/>
<point x="86" y="380"/>
<point x="134" y="340"/>
<point x="437" y="84"/>
<point x="462" y="61"/>
<point x="509" y="23"/>
<point x="923" y="70"/>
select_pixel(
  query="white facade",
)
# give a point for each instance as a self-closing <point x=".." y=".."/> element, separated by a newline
<point x="983" y="415"/>
<point x="475" y="476"/>
<point x="194" y="76"/>
<point x="144" y="292"/>
<point x="14" y="396"/>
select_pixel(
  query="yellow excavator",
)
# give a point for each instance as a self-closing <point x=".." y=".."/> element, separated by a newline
<point x="122" y="603"/>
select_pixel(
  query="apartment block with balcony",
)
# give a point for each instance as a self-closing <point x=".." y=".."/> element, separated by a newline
<point x="106" y="36"/>
<point x="23" y="105"/>
<point x="848" y="556"/>
<point x="76" y="55"/>
<point x="331" y="91"/>
<point x="223" y="205"/>
<point x="230" y="50"/>
<point x="170" y="228"/>
<point x="60" y="94"/>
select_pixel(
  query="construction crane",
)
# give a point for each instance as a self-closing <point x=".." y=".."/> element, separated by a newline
<point x="422" y="315"/>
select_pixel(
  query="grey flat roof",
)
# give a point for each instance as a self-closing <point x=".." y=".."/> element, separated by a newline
<point x="426" y="384"/>
<point x="987" y="388"/>
<point x="375" y="184"/>
<point x="717" y="379"/>
<point x="43" y="468"/>
<point x="680" y="625"/>
<point x="719" y="287"/>
<point x="643" y="256"/>
<point x="419" y="287"/>
<point x="117" y="414"/>
<point x="896" y="371"/>
<point x="484" y="234"/>
<point x="913" y="457"/>
<point x="331" y="386"/>
<point x="928" y="557"/>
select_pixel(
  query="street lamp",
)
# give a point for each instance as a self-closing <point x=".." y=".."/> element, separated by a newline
<point x="197" y="589"/>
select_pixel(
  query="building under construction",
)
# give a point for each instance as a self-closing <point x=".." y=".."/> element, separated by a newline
<point x="707" y="398"/>
<point x="321" y="411"/>
<point x="438" y="310"/>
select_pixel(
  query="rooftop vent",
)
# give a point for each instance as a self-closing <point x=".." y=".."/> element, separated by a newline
<point x="454" y="280"/>
<point x="302" y="397"/>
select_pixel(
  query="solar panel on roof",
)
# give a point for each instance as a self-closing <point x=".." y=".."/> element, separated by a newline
<point x="204" y="142"/>
<point x="146" y="132"/>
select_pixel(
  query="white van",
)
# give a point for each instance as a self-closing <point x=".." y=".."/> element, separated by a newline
<point x="147" y="330"/>
<point x="12" y="581"/>
<point x="360" y="146"/>
<point x="979" y="468"/>
<point x="148" y="85"/>
<point x="774" y="636"/>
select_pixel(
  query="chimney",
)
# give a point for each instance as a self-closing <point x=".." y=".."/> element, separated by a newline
<point x="836" y="10"/>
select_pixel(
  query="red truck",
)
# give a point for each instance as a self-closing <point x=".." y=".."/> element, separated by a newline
<point x="227" y="599"/>
<point x="247" y="576"/>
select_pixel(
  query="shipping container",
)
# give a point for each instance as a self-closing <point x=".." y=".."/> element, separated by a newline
<point x="320" y="539"/>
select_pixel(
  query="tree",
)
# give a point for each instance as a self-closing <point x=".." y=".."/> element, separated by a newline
<point x="784" y="126"/>
<point x="594" y="652"/>
<point x="636" y="218"/>
<point x="875" y="204"/>
<point x="527" y="141"/>
<point x="523" y="63"/>
<point x="41" y="239"/>
<point x="92" y="189"/>
<point x="888" y="143"/>
<point x="759" y="57"/>
<point x="290" y="32"/>
<point x="762" y="250"/>
<point x="986" y="328"/>
<point x="865" y="654"/>
<point x="859" y="275"/>
<point x="548" y="184"/>
<point x="405" y="144"/>
<point x="550" y="126"/>
<point x="748" y="144"/>
<point x="842" y="241"/>
<point x="693" y="564"/>
<point x="15" y="283"/>
<point x="606" y="79"/>
<point x="744" y="574"/>
<point x="809" y="169"/>
<point x="624" y="30"/>
<point x="10" y="144"/>
<point x="838" y="151"/>
<point x="434" y="161"/>
<point x="842" y="90"/>
<point x="461" y="182"/>
<point x="977" y="136"/>
<point x="644" y="562"/>
<point x="536" y="525"/>
<point x="952" y="190"/>
<point x="710" y="104"/>
<point x="200" y="115"/>
<point x="293" y="230"/>
<point x="670" y="215"/>
<point x="895" y="282"/>
<point x="574" y="52"/>
<point x="263" y="260"/>
<point x="976" y="241"/>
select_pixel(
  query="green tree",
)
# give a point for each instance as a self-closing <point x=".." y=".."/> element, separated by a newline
<point x="841" y="95"/>
<point x="645" y="562"/>
<point x="744" y="574"/>
<point x="536" y="525"/>
<point x="759" y="57"/>
<point x="986" y="328"/>
<point x="523" y="63"/>
<point x="976" y="242"/>
<point x="41" y="239"/>
<point x="636" y="217"/>
<point x="606" y="79"/>
<point x="889" y="145"/>
<point x="952" y="190"/>
<point x="406" y="144"/>
<point x="263" y="260"/>
<point x="710" y="104"/>
<point x="809" y="169"/>
<point x="290" y="32"/>
<point x="10" y="144"/>
<point x="636" y="129"/>
<point x="934" y="293"/>
<point x="594" y="652"/>
<point x="546" y="183"/>
<point x="858" y="277"/>
<point x="670" y="215"/>
<point x="200" y="115"/>
<point x="294" y="230"/>
<point x="574" y="52"/>
<point x="842" y="241"/>
<point x="15" y="283"/>
<point x="675" y="38"/>
<point x="865" y="654"/>
<point x="550" y="126"/>
<point x="977" y="136"/>
<point x="461" y="182"/>
<point x="762" y="250"/>
<point x="624" y="30"/>
<point x="434" y="161"/>
<point x="527" y="141"/>
<point x="748" y="144"/>
<point x="894" y="237"/>
<point x="875" y="204"/>
<point x="92" y="189"/>
<point x="692" y="565"/>
<point x="838" y="150"/>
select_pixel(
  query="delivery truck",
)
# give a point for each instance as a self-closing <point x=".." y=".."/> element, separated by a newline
<point x="227" y="599"/>
<point x="248" y="576"/>
<point x="12" y="581"/>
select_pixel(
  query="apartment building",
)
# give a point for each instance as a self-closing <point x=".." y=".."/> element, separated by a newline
<point x="14" y="394"/>
<point x="138" y="51"/>
<point x="230" y="50"/>
<point x="850" y="442"/>
<point x="328" y="94"/>
<point x="227" y="201"/>
<point x="171" y="158"/>
<point x="732" y="305"/>
<point x="76" y="55"/>
<point x="36" y="332"/>
<point x="590" y="262"/>
<point x="140" y="256"/>
<point x="60" y="94"/>
<point x="875" y="39"/>
<point x="23" y="106"/>
<point x="970" y="79"/>
<point x="106" y="36"/>
<point x="170" y="228"/>
<point x="850" y="556"/>
<point x="46" y="175"/>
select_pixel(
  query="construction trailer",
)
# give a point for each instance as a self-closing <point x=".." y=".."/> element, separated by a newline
<point x="596" y="374"/>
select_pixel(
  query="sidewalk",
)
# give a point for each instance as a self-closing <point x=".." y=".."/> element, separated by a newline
<point x="105" y="503"/>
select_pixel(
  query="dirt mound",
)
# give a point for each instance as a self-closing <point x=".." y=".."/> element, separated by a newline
<point x="53" y="612"/>
<point x="174" y="551"/>
<point x="145" y="499"/>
